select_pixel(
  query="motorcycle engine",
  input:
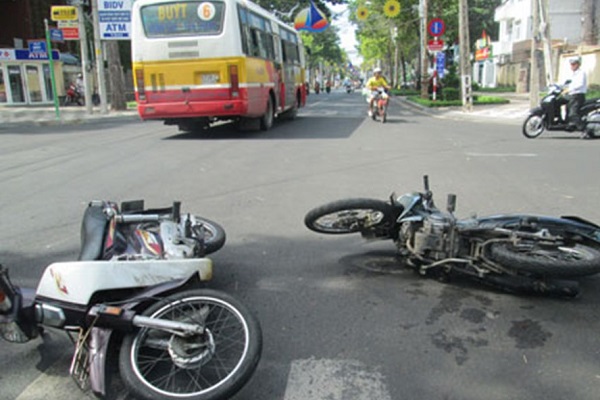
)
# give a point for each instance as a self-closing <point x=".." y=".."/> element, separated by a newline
<point x="432" y="240"/>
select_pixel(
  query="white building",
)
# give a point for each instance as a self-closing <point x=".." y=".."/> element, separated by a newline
<point x="512" y="51"/>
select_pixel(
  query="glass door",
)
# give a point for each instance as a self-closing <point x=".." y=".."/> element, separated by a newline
<point x="15" y="80"/>
<point x="34" y="83"/>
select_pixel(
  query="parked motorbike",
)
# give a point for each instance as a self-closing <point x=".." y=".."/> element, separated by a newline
<point x="514" y="252"/>
<point x="551" y="115"/>
<point x="380" y="105"/>
<point x="138" y="289"/>
<point x="75" y="96"/>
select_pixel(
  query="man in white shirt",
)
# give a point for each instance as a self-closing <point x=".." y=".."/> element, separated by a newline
<point x="577" y="88"/>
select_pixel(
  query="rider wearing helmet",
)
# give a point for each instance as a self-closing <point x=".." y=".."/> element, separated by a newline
<point x="375" y="82"/>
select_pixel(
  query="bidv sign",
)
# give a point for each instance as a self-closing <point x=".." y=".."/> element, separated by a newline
<point x="115" y="19"/>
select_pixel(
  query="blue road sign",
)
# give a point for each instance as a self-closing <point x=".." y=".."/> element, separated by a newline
<point x="436" y="27"/>
<point x="56" y="35"/>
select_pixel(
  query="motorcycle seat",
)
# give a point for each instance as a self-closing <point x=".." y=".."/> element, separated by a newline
<point x="93" y="230"/>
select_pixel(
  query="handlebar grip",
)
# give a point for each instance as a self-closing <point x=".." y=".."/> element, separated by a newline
<point x="426" y="182"/>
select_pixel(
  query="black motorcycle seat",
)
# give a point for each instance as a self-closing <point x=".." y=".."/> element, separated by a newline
<point x="93" y="230"/>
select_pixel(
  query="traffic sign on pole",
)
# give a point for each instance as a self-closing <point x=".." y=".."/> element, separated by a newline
<point x="435" y="45"/>
<point x="436" y="27"/>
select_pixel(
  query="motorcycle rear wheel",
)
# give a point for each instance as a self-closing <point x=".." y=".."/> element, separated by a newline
<point x="533" y="126"/>
<point x="157" y="365"/>
<point x="548" y="260"/>
<point x="350" y="216"/>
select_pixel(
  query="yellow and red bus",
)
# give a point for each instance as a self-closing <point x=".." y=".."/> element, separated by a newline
<point x="199" y="61"/>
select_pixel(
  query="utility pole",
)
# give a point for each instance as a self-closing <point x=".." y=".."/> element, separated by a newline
<point x="534" y="70"/>
<point x="465" y="61"/>
<point x="424" y="58"/>
<point x="545" y="37"/>
<point x="84" y="59"/>
<point x="99" y="59"/>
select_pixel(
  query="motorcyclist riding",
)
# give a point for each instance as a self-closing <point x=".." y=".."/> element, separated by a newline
<point x="375" y="82"/>
<point x="577" y="88"/>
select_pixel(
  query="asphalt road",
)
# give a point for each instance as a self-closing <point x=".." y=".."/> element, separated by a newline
<point x="341" y="320"/>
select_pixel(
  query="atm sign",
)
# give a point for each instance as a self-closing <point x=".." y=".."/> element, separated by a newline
<point x="63" y="13"/>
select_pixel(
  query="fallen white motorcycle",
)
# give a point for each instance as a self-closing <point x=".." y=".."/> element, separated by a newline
<point x="138" y="286"/>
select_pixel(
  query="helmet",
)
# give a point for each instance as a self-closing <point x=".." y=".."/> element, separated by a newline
<point x="575" y="60"/>
<point x="80" y="75"/>
<point x="377" y="70"/>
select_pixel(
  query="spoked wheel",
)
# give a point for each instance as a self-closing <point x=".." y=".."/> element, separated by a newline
<point x="212" y="234"/>
<point x="351" y="215"/>
<point x="533" y="126"/>
<point x="544" y="259"/>
<point x="156" y="364"/>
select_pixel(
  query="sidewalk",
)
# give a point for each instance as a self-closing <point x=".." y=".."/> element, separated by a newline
<point x="514" y="112"/>
<point x="46" y="115"/>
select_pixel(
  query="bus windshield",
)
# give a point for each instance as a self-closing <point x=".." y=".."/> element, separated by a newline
<point x="190" y="18"/>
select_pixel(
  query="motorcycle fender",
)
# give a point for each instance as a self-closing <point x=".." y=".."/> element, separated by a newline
<point x="536" y="111"/>
<point x="76" y="282"/>
<point x="98" y="348"/>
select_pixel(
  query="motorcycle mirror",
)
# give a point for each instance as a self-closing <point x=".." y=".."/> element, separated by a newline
<point x="451" y="205"/>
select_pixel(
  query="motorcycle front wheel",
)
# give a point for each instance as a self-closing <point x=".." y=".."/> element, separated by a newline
<point x="548" y="260"/>
<point x="351" y="215"/>
<point x="158" y="365"/>
<point x="211" y="233"/>
<point x="533" y="126"/>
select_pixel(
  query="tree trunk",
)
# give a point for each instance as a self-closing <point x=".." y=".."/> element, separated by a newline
<point x="115" y="76"/>
<point x="590" y="25"/>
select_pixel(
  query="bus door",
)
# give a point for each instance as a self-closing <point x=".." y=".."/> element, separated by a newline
<point x="289" y="71"/>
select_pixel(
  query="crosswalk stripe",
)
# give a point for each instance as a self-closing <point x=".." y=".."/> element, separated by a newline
<point x="327" y="379"/>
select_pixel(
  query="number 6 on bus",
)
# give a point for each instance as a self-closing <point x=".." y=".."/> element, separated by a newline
<point x="197" y="62"/>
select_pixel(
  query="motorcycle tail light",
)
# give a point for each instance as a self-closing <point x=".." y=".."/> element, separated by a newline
<point x="235" y="81"/>
<point x="141" y="85"/>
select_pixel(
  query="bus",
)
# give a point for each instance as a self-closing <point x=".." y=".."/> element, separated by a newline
<point x="196" y="62"/>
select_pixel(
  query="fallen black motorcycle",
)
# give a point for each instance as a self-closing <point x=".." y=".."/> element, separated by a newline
<point x="514" y="252"/>
<point x="551" y="115"/>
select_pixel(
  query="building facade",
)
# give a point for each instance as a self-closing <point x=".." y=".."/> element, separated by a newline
<point x="568" y="21"/>
<point x="24" y="56"/>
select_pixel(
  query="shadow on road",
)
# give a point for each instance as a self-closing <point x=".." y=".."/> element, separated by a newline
<point x="301" y="128"/>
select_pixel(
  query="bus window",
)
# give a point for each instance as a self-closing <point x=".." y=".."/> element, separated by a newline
<point x="183" y="18"/>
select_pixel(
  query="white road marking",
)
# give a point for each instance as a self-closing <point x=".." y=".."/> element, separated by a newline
<point x="334" y="380"/>
<point x="501" y="154"/>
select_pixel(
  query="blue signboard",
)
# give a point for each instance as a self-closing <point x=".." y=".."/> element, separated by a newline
<point x="21" y="54"/>
<point x="56" y="35"/>
<point x="38" y="46"/>
<point x="440" y="63"/>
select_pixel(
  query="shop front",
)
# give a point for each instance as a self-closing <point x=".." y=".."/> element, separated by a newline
<point x="25" y="77"/>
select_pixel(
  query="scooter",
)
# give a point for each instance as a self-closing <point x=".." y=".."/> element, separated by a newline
<point x="175" y="339"/>
<point x="551" y="115"/>
<point x="380" y="104"/>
